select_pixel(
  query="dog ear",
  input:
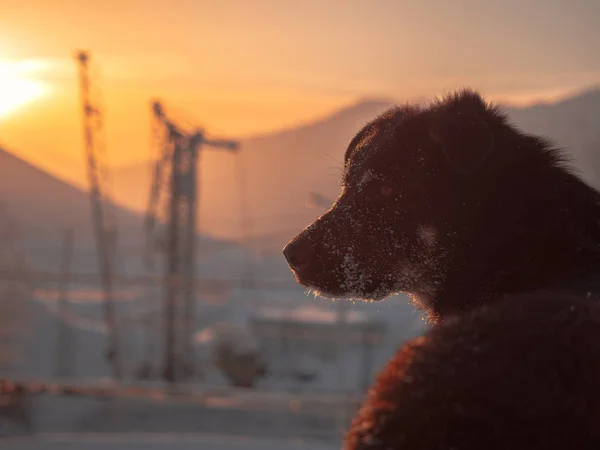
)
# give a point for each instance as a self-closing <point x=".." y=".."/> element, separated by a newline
<point x="459" y="126"/>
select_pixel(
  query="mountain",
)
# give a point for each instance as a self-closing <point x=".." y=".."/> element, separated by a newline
<point x="272" y="173"/>
<point x="572" y="123"/>
<point x="42" y="207"/>
<point x="281" y="169"/>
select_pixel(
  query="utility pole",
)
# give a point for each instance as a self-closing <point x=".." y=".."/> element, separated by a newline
<point x="64" y="343"/>
<point x="103" y="222"/>
<point x="179" y="156"/>
<point x="13" y="292"/>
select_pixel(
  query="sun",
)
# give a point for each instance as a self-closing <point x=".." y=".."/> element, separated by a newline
<point x="17" y="87"/>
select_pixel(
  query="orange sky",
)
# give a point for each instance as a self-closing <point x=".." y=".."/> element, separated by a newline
<point x="244" y="67"/>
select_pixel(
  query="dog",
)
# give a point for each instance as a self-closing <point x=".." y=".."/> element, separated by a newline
<point x="491" y="232"/>
<point x="453" y="206"/>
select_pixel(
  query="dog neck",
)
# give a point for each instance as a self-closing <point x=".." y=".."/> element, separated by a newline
<point x="466" y="288"/>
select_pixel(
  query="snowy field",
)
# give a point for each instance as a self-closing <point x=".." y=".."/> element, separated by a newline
<point x="285" y="410"/>
<point x="155" y="441"/>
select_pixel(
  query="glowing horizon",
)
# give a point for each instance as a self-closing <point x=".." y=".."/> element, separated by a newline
<point x="244" y="72"/>
<point x="18" y="85"/>
<point x="23" y="82"/>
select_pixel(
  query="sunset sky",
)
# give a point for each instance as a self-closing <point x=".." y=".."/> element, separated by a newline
<point x="246" y="67"/>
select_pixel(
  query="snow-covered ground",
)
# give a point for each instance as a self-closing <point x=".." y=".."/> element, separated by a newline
<point x="248" y="416"/>
<point x="87" y="338"/>
<point x="269" y="417"/>
<point x="158" y="441"/>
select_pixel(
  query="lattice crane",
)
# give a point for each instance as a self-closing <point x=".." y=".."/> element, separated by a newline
<point x="103" y="217"/>
<point x="175" y="177"/>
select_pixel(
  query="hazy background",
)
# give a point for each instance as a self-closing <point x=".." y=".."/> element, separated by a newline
<point x="293" y="82"/>
<point x="248" y="68"/>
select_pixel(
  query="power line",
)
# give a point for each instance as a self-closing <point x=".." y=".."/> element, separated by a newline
<point x="148" y="280"/>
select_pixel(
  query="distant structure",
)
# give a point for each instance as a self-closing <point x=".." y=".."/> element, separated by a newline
<point x="14" y="289"/>
<point x="103" y="217"/>
<point x="306" y="340"/>
<point x="64" y="344"/>
<point x="175" y="176"/>
<point x="237" y="355"/>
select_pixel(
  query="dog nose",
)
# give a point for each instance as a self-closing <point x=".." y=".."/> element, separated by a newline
<point x="298" y="255"/>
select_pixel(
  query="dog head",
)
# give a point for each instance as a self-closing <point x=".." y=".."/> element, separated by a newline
<point x="421" y="193"/>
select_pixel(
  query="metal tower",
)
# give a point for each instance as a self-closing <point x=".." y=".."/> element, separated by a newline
<point x="178" y="155"/>
<point x="103" y="218"/>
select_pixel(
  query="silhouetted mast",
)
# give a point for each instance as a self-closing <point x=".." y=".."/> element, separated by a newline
<point x="179" y="156"/>
<point x="103" y="222"/>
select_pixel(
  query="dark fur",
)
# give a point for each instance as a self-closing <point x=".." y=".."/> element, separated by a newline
<point x="518" y="374"/>
<point x="510" y="280"/>
<point x="507" y="214"/>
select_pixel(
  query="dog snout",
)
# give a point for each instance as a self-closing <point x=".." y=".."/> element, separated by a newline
<point x="299" y="255"/>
